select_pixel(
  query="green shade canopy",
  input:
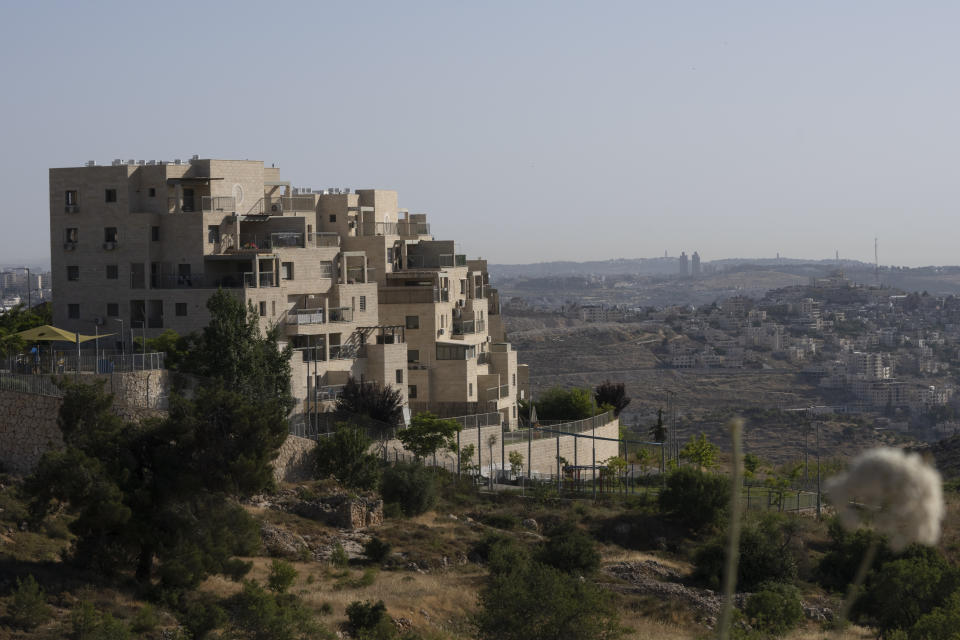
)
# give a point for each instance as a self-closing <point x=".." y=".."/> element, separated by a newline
<point x="47" y="333"/>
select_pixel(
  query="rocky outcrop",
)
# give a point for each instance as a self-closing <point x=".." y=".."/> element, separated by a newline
<point x="341" y="510"/>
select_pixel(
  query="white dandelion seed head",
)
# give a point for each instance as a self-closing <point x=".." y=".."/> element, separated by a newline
<point x="897" y="492"/>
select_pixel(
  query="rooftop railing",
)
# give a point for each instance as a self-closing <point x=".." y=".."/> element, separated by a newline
<point x="277" y="206"/>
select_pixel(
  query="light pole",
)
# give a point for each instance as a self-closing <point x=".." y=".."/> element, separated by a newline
<point x="123" y="351"/>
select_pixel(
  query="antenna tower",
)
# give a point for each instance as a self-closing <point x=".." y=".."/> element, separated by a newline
<point x="876" y="260"/>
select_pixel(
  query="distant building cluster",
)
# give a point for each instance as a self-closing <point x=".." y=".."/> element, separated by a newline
<point x="22" y="285"/>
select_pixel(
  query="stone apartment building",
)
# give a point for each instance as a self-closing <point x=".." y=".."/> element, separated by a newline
<point x="357" y="285"/>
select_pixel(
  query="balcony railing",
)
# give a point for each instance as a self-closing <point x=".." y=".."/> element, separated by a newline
<point x="306" y="316"/>
<point x="466" y="327"/>
<point x="439" y="261"/>
<point x="277" y="206"/>
<point x="325" y="239"/>
<point x="341" y="314"/>
<point x="408" y="295"/>
<point x="227" y="204"/>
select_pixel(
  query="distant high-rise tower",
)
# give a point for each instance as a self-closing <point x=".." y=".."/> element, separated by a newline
<point x="695" y="264"/>
<point x="684" y="264"/>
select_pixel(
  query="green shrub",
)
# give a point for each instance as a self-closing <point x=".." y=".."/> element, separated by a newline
<point x="838" y="567"/>
<point x="376" y="550"/>
<point x="558" y="403"/>
<point x="767" y="554"/>
<point x="411" y="486"/>
<point x="28" y="606"/>
<point x="282" y="575"/>
<point x="570" y="549"/>
<point x="905" y="589"/>
<point x="533" y="601"/>
<point x="695" y="498"/>
<point x="57" y="528"/>
<point x="366" y="615"/>
<point x="345" y="456"/>
<point x="501" y="520"/>
<point x="83" y="620"/>
<point x="940" y="624"/>
<point x="260" y="614"/>
<point x="202" y="615"/>
<point x="145" y="619"/>
<point x="109" y="628"/>
<point x="775" y="608"/>
<point x="339" y="557"/>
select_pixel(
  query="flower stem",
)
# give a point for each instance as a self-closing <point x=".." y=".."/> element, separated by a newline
<point x="733" y="543"/>
<point x="858" y="579"/>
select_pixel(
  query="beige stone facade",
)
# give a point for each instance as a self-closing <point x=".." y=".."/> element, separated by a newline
<point x="357" y="285"/>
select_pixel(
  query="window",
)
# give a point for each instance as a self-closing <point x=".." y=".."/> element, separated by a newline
<point x="152" y="192"/>
<point x="514" y="379"/>
<point x="73" y="311"/>
<point x="399" y="376"/>
<point x="110" y="195"/>
<point x="333" y="217"/>
<point x="112" y="272"/>
<point x="273" y="307"/>
<point x="413" y="322"/>
<point x="363" y="303"/>
<point x="187" y="200"/>
<point x="70" y="198"/>
<point x="286" y="270"/>
<point x="73" y="272"/>
<point x="470" y="389"/>
<point x="71" y="234"/>
<point x="263" y="308"/>
<point x="213" y="233"/>
<point x="181" y="308"/>
<point x="514" y="411"/>
<point x="413" y="355"/>
<point x="463" y="287"/>
<point x="138" y="275"/>
<point x="113" y="310"/>
<point x="455" y="352"/>
<point x="109" y="234"/>
<point x="155" y="234"/>
<point x="389" y="255"/>
<point x="326" y="269"/>
<point x="412" y="391"/>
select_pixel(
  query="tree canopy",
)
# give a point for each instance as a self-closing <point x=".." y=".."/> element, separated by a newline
<point x="427" y="434"/>
<point x="161" y="489"/>
<point x="558" y="403"/>
<point x="613" y="394"/>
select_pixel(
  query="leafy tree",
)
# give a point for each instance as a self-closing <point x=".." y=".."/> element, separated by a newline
<point x="18" y="319"/>
<point x="516" y="462"/>
<point x="368" y="398"/>
<point x="613" y="394"/>
<point x="613" y="469"/>
<point x="775" y="608"/>
<point x="411" y="486"/>
<point x="694" y="497"/>
<point x="533" y="601"/>
<point x="427" y="434"/>
<point x="367" y="615"/>
<point x="173" y="345"/>
<point x="699" y="451"/>
<point x="558" y="403"/>
<point x="258" y="614"/>
<point x="838" y="567"/>
<point x="658" y="431"/>
<point x="346" y="456"/>
<point x="750" y="465"/>
<point x="466" y="454"/>
<point x="941" y="623"/>
<point x="28" y="606"/>
<point x="161" y="489"/>
<point x="282" y="575"/>
<point x="768" y="553"/>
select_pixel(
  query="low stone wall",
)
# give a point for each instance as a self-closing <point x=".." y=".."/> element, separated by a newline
<point x="28" y="428"/>
<point x="292" y="464"/>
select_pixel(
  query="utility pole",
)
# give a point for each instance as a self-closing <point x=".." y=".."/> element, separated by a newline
<point x="818" y="471"/>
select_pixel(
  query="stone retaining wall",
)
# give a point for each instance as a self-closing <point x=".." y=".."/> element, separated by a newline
<point x="293" y="462"/>
<point x="28" y="428"/>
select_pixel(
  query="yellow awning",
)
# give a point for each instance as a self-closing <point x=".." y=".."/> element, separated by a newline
<point x="47" y="333"/>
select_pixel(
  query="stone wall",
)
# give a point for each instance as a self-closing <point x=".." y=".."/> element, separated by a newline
<point x="28" y="428"/>
<point x="293" y="462"/>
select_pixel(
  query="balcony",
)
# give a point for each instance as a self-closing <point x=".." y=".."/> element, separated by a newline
<point x="439" y="261"/>
<point x="71" y="208"/>
<point x="325" y="239"/>
<point x="109" y="246"/>
<point x="357" y="275"/>
<point x="408" y="295"/>
<point x="225" y="204"/>
<point x="277" y="206"/>
<point x="265" y="279"/>
<point x="468" y="327"/>
<point x="69" y="246"/>
<point x="406" y="229"/>
<point x="341" y="314"/>
<point x="305" y="316"/>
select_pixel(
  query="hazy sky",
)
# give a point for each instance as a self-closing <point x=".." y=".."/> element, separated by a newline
<point x="527" y="131"/>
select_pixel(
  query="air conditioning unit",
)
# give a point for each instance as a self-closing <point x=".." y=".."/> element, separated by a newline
<point x="439" y="332"/>
<point x="276" y="207"/>
<point x="99" y="320"/>
<point x="72" y="208"/>
<point x="109" y="246"/>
